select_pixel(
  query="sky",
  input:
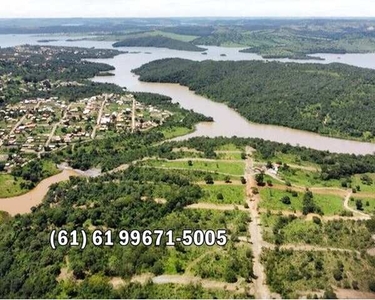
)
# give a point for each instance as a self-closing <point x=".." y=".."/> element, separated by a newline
<point x="186" y="8"/>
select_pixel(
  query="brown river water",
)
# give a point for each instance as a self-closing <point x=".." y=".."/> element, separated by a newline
<point x="227" y="122"/>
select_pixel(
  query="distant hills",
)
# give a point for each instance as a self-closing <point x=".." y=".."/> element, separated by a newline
<point x="158" y="42"/>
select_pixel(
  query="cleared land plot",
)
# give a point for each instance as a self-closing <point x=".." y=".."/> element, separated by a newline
<point x="365" y="186"/>
<point x="223" y="194"/>
<point x="347" y="234"/>
<point x="271" y="199"/>
<point x="368" y="204"/>
<point x="307" y="178"/>
<point x="231" y="168"/>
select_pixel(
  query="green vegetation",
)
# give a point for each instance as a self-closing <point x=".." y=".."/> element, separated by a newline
<point x="11" y="186"/>
<point x="327" y="204"/>
<point x="44" y="66"/>
<point x="335" y="234"/>
<point x="173" y="132"/>
<point x="331" y="165"/>
<point x="158" y="42"/>
<point x="294" y="39"/>
<point x="330" y="99"/>
<point x="366" y="182"/>
<point x="291" y="272"/>
<point x="305" y="178"/>
<point x="365" y="204"/>
<point x="223" y="194"/>
<point x="164" y="291"/>
<point x="116" y="201"/>
<point x="26" y="177"/>
<point x="228" y="266"/>
<point x="223" y="167"/>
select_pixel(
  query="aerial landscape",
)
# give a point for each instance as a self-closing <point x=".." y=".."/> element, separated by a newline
<point x="169" y="150"/>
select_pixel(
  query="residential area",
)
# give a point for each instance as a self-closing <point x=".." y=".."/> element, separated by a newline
<point x="34" y="126"/>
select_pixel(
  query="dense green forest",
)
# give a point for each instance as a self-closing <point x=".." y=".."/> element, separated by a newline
<point x="158" y="42"/>
<point x="334" y="99"/>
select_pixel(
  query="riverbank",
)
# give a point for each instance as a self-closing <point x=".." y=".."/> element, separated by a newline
<point x="22" y="204"/>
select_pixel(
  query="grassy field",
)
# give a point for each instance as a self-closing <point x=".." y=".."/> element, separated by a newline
<point x="231" y="194"/>
<point x="335" y="233"/>
<point x="330" y="204"/>
<point x="228" y="147"/>
<point x="49" y="168"/>
<point x="307" y="178"/>
<point x="180" y="37"/>
<point x="368" y="203"/>
<point x="231" y="168"/>
<point x="289" y="159"/>
<point x="10" y="187"/>
<point x="369" y="188"/>
<point x="291" y="271"/>
<point x="229" y="155"/>
<point x="173" y="132"/>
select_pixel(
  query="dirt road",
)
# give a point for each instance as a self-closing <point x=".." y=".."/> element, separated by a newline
<point x="260" y="288"/>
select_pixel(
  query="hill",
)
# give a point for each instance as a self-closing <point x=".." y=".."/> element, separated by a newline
<point x="158" y="42"/>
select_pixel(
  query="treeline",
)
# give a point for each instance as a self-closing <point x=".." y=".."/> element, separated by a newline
<point x="158" y="42"/>
<point x="335" y="99"/>
<point x="74" y="93"/>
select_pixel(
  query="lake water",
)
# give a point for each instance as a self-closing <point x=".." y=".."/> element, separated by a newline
<point x="227" y="122"/>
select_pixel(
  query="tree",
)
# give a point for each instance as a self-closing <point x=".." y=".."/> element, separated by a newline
<point x="190" y="163"/>
<point x="220" y="196"/>
<point x="317" y="220"/>
<point x="329" y="294"/>
<point x="243" y="180"/>
<point x="243" y="155"/>
<point x="227" y="179"/>
<point x="285" y="200"/>
<point x="208" y="179"/>
<point x="371" y="285"/>
<point x="359" y="204"/>
<point x="259" y="178"/>
<point x="230" y="276"/>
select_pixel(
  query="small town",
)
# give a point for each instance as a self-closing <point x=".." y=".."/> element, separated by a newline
<point x="35" y="126"/>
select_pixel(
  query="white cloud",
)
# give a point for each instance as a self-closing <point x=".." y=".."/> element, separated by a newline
<point x="184" y="8"/>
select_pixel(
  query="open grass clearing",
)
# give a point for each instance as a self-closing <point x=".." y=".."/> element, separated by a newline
<point x="10" y="186"/>
<point x="223" y="194"/>
<point x="231" y="168"/>
<point x="271" y="199"/>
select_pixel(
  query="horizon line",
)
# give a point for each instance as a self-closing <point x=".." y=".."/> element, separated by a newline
<point x="197" y="17"/>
